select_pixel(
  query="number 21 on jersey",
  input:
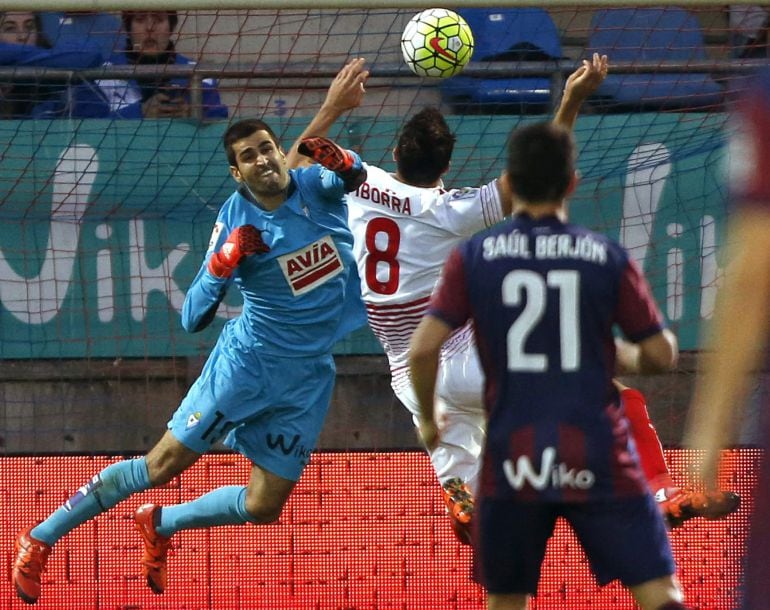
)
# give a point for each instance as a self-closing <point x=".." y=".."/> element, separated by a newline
<point x="523" y="283"/>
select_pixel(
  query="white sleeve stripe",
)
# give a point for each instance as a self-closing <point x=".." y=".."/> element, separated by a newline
<point x="492" y="208"/>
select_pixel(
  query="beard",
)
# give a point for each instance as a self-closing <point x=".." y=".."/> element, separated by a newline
<point x="269" y="184"/>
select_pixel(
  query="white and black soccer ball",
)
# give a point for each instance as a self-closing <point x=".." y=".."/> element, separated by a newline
<point x="437" y="43"/>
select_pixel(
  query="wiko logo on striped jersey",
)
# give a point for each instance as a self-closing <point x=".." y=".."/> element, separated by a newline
<point x="551" y="474"/>
<point x="311" y="266"/>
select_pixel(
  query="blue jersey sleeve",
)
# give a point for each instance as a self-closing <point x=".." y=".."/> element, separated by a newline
<point x="206" y="291"/>
<point x="317" y="181"/>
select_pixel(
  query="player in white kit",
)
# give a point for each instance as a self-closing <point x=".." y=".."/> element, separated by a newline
<point x="401" y="238"/>
<point x="404" y="226"/>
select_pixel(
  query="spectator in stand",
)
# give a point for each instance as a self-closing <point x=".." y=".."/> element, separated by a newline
<point x="22" y="28"/>
<point x="22" y="44"/>
<point x="68" y="27"/>
<point x="148" y="44"/>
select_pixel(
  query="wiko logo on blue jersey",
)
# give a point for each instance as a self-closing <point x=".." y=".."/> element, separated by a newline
<point x="551" y="474"/>
<point x="94" y="484"/>
<point x="311" y="266"/>
<point x="279" y="442"/>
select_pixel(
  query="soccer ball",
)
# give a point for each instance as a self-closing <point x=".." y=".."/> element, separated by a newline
<point x="437" y="43"/>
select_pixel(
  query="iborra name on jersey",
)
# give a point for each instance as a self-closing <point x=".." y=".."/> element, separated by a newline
<point x="516" y="245"/>
<point x="388" y="199"/>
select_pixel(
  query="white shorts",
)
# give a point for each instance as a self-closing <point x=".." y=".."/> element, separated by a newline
<point x="459" y="413"/>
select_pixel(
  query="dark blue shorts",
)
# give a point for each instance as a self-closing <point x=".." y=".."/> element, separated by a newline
<point x="623" y="539"/>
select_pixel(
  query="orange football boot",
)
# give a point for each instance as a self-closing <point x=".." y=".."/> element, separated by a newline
<point x="680" y="505"/>
<point x="31" y="557"/>
<point x="459" y="502"/>
<point x="155" y="548"/>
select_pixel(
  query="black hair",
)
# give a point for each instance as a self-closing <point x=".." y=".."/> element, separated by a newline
<point x="541" y="162"/>
<point x="128" y="17"/>
<point x="243" y="129"/>
<point x="424" y="148"/>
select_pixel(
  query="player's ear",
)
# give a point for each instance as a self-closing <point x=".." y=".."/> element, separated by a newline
<point x="236" y="174"/>
<point x="394" y="154"/>
<point x="505" y="193"/>
<point x="573" y="183"/>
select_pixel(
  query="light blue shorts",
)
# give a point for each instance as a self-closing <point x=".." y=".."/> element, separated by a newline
<point x="269" y="409"/>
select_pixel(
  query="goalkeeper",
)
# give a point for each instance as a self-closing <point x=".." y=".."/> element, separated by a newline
<point x="283" y="240"/>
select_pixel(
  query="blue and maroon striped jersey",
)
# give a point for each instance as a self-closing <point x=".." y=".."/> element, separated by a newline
<point x="544" y="297"/>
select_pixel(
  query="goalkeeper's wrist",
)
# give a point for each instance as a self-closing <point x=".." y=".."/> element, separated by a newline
<point x="355" y="176"/>
<point x="218" y="268"/>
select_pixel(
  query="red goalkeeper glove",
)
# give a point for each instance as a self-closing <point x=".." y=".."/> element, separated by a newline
<point x="242" y="241"/>
<point x="346" y="164"/>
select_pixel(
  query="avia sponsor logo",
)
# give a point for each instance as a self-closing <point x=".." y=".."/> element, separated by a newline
<point x="310" y="267"/>
<point x="293" y="447"/>
<point x="551" y="474"/>
<point x="94" y="484"/>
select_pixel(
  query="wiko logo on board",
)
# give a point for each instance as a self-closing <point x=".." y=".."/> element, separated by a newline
<point x="36" y="300"/>
<point x="551" y="474"/>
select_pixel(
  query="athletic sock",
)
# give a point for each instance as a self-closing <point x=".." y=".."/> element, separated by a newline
<point x="646" y="439"/>
<point x="115" y="483"/>
<point x="222" y="506"/>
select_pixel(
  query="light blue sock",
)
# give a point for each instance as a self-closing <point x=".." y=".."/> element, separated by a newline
<point x="102" y="492"/>
<point x="223" y="506"/>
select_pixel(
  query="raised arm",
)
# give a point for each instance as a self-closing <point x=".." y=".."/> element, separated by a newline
<point x="345" y="93"/>
<point x="580" y="84"/>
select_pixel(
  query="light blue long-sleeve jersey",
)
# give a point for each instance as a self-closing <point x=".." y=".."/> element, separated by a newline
<point x="303" y="295"/>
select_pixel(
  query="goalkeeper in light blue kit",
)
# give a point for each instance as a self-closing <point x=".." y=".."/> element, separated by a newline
<point x="282" y="238"/>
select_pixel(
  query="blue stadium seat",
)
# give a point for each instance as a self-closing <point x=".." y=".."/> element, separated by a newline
<point x="512" y="35"/>
<point x="670" y="33"/>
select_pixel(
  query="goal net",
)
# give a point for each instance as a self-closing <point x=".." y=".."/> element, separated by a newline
<point x="107" y="217"/>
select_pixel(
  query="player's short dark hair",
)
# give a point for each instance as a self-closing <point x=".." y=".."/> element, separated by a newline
<point x="424" y="147"/>
<point x="128" y="17"/>
<point x="541" y="162"/>
<point x="243" y="129"/>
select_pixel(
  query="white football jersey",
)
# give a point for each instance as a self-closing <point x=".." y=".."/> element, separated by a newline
<point x="402" y="236"/>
